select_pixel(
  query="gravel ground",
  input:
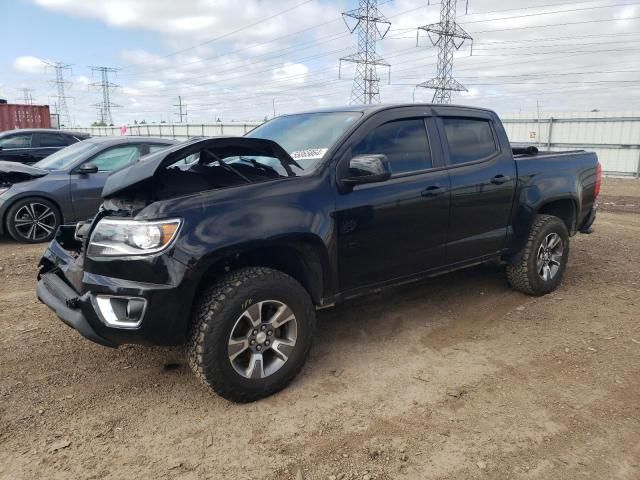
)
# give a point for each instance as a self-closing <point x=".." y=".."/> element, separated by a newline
<point x="455" y="377"/>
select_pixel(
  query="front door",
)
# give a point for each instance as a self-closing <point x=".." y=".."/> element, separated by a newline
<point x="86" y="189"/>
<point x="397" y="228"/>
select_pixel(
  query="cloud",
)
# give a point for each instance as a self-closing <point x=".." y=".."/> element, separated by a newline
<point x="29" y="64"/>
<point x="231" y="60"/>
<point x="291" y="72"/>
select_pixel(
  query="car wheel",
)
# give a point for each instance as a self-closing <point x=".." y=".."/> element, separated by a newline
<point x="33" y="220"/>
<point x="544" y="258"/>
<point x="251" y="333"/>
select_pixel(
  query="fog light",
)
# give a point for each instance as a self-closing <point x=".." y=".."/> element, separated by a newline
<point x="135" y="307"/>
<point x="120" y="312"/>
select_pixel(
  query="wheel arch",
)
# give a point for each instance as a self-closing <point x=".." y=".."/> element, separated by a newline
<point x="565" y="209"/>
<point x="304" y="258"/>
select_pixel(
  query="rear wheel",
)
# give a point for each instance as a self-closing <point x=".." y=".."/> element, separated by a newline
<point x="33" y="220"/>
<point x="251" y="333"/>
<point x="544" y="258"/>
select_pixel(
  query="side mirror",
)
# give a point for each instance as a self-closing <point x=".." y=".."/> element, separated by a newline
<point x="88" y="168"/>
<point x="368" y="169"/>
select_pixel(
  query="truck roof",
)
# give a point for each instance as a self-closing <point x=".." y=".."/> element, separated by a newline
<point x="370" y="109"/>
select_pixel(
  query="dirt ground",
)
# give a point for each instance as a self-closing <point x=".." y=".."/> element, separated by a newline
<point x="458" y="377"/>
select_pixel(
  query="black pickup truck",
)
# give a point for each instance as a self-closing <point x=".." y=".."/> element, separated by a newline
<point x="229" y="245"/>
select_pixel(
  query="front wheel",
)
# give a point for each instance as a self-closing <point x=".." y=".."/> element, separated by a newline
<point x="251" y="333"/>
<point x="33" y="220"/>
<point x="544" y="258"/>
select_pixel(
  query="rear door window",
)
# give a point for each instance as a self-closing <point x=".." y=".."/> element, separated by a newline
<point x="404" y="142"/>
<point x="16" y="141"/>
<point x="53" y="140"/>
<point x="469" y="139"/>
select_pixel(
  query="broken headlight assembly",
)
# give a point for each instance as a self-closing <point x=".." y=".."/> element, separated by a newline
<point x="121" y="238"/>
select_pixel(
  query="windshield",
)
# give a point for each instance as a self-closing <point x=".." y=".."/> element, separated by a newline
<point x="306" y="136"/>
<point x="65" y="158"/>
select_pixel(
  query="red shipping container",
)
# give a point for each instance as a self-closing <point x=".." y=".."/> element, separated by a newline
<point x="14" y="116"/>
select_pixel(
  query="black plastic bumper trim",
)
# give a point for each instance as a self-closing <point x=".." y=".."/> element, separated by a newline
<point x="56" y="294"/>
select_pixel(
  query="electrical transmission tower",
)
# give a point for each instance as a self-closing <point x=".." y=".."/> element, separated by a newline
<point x="371" y="26"/>
<point x="181" y="106"/>
<point x="106" y="87"/>
<point x="450" y="37"/>
<point x="28" y="98"/>
<point x="61" y="84"/>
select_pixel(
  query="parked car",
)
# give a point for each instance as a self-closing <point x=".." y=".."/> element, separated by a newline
<point x="31" y="145"/>
<point x="232" y="254"/>
<point x="64" y="187"/>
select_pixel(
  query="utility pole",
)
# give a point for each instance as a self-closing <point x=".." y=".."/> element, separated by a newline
<point x="60" y="83"/>
<point x="180" y="113"/>
<point x="448" y="36"/>
<point x="371" y="26"/>
<point x="106" y="87"/>
<point x="27" y="97"/>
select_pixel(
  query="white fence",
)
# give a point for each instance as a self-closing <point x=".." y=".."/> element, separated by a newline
<point x="174" y="130"/>
<point x="615" y="137"/>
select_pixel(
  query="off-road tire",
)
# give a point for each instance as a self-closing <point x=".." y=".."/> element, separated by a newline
<point x="214" y="316"/>
<point x="17" y="235"/>
<point x="523" y="276"/>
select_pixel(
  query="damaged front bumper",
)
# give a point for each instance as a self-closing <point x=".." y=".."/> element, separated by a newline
<point x="114" y="311"/>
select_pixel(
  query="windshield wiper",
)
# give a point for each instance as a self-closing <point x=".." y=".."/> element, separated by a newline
<point x="259" y="166"/>
<point x="228" y="167"/>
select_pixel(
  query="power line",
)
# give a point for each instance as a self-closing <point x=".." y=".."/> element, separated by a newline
<point x="228" y="34"/>
<point x="371" y="25"/>
<point x="106" y="87"/>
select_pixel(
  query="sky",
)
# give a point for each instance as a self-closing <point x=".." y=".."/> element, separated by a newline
<point x="247" y="60"/>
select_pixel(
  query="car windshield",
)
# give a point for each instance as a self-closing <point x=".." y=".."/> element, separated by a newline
<point x="65" y="158"/>
<point x="306" y="136"/>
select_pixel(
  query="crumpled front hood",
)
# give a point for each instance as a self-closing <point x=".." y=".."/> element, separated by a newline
<point x="223" y="146"/>
<point x="14" y="172"/>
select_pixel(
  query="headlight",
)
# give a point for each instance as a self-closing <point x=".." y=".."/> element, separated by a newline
<point x="117" y="238"/>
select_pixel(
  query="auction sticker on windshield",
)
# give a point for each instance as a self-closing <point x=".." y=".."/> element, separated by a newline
<point x="309" y="154"/>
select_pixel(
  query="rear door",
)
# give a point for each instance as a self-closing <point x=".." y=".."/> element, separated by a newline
<point x="86" y="189"/>
<point x="483" y="179"/>
<point x="394" y="229"/>
<point x="44" y="144"/>
<point x="17" y="148"/>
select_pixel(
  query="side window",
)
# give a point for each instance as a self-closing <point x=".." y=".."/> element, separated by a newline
<point x="404" y="142"/>
<point x="53" y="140"/>
<point x="116" y="158"/>
<point x="16" y="141"/>
<point x="469" y="139"/>
<point x="155" y="147"/>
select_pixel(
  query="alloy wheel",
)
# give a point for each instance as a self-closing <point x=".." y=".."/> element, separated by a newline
<point x="549" y="256"/>
<point x="35" y="221"/>
<point x="262" y="339"/>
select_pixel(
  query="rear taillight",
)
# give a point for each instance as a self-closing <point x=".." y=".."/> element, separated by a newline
<point x="598" y="181"/>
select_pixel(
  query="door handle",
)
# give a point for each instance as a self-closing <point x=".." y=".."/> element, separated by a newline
<point x="432" y="191"/>
<point x="500" y="179"/>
